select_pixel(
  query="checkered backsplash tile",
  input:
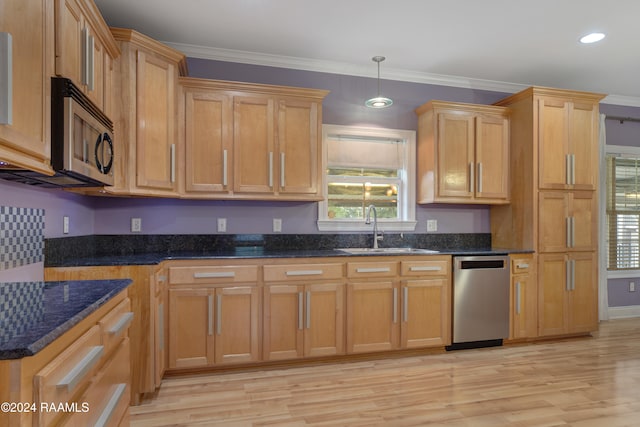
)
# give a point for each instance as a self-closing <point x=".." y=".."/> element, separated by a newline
<point x="21" y="306"/>
<point x="21" y="236"/>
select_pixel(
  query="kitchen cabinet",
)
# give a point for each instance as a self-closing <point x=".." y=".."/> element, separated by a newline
<point x="567" y="221"/>
<point x="85" y="48"/>
<point x="25" y="107"/>
<point x="425" y="301"/>
<point x="372" y="306"/>
<point x="463" y="153"/>
<point x="213" y="315"/>
<point x="524" y="297"/>
<point x="88" y="364"/>
<point x="141" y="331"/>
<point x="257" y="142"/>
<point x="553" y="210"/>
<point x="159" y="321"/>
<point x="303" y="311"/>
<point x="147" y="126"/>
<point x="566" y="161"/>
<point x="567" y="293"/>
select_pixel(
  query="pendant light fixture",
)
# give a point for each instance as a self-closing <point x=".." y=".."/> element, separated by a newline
<point x="378" y="101"/>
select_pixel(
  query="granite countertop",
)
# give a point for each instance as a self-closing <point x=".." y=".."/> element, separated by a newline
<point x="34" y="314"/>
<point x="153" y="258"/>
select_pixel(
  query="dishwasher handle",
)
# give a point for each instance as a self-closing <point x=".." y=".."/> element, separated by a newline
<point x="481" y="264"/>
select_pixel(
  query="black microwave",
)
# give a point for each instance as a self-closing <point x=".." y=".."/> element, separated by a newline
<point x="82" y="151"/>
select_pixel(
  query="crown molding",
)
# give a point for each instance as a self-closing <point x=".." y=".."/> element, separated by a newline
<point x="334" y="67"/>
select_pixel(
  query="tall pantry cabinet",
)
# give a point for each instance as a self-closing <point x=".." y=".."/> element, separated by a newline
<point x="553" y="210"/>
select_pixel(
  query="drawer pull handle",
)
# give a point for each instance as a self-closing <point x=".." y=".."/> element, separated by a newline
<point x="214" y="275"/>
<point x="73" y="377"/>
<point x="121" y="324"/>
<point x="425" y="268"/>
<point x="522" y="265"/>
<point x="6" y="79"/>
<point x="373" y="270"/>
<point x="111" y="406"/>
<point x="304" y="272"/>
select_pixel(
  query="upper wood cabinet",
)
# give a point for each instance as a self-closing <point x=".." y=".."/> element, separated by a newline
<point x="463" y="153"/>
<point x="27" y="45"/>
<point x="567" y="221"/>
<point x="566" y="131"/>
<point x="147" y="126"/>
<point x="250" y="141"/>
<point x="85" y="49"/>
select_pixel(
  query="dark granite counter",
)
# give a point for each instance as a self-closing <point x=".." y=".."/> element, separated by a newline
<point x="34" y="314"/>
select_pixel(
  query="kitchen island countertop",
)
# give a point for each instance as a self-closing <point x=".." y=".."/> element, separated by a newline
<point x="36" y="313"/>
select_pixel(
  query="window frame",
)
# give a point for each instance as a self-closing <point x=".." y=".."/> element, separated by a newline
<point x="614" y="150"/>
<point x="407" y="201"/>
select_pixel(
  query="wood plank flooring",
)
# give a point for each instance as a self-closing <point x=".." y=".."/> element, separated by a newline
<point x="591" y="381"/>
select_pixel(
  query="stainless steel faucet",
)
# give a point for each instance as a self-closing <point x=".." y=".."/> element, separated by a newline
<point x="367" y="220"/>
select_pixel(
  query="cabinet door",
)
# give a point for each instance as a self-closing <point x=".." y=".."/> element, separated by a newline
<point x="298" y="144"/>
<point x="492" y="158"/>
<point x="372" y="316"/>
<point x="567" y="221"/>
<point x="156" y="136"/>
<point x="324" y="319"/>
<point x="553" y="144"/>
<point x="425" y="320"/>
<point x="191" y="328"/>
<point x="254" y="144"/>
<point x="455" y="155"/>
<point x="283" y="322"/>
<point x="554" y="221"/>
<point x="524" y="299"/>
<point x="236" y="323"/>
<point x="583" y="297"/>
<point x="553" y="287"/>
<point x="69" y="40"/>
<point x="160" y="325"/>
<point x="208" y="143"/>
<point x="95" y="73"/>
<point x="25" y="140"/>
<point x="583" y="145"/>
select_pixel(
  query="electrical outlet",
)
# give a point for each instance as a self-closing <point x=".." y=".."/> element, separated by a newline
<point x="277" y="225"/>
<point x="136" y="225"/>
<point x="222" y="225"/>
<point x="432" y="225"/>
<point x="632" y="286"/>
<point x="65" y="225"/>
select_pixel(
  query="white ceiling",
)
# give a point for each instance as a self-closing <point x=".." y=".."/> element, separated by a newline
<point x="502" y="45"/>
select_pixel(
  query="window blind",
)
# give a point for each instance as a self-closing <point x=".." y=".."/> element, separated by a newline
<point x="623" y="212"/>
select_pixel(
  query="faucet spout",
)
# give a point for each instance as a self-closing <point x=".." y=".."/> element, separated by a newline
<point x="367" y="220"/>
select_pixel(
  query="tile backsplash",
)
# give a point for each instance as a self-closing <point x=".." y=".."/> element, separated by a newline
<point x="21" y="236"/>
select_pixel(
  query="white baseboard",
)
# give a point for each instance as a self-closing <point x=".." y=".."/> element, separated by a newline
<point x="624" y="312"/>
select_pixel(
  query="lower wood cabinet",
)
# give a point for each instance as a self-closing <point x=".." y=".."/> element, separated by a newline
<point x="210" y="326"/>
<point x="524" y="297"/>
<point x="567" y="293"/>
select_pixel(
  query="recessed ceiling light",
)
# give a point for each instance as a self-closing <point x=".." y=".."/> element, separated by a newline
<point x="592" y="38"/>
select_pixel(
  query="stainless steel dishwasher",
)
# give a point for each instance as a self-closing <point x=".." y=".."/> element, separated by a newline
<point x="480" y="301"/>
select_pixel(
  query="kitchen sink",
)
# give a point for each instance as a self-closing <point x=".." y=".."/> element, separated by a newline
<point x="399" y="251"/>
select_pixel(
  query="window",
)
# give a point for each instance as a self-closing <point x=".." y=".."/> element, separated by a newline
<point x="365" y="166"/>
<point x="623" y="211"/>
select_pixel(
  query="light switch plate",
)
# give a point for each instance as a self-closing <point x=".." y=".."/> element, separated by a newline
<point x="65" y="225"/>
<point x="432" y="225"/>
<point x="222" y="225"/>
<point x="277" y="225"/>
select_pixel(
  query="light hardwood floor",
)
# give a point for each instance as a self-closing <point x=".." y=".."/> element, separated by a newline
<point x="592" y="381"/>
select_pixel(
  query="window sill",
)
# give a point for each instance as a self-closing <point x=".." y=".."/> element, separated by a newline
<point x="347" y="225"/>
<point x="623" y="274"/>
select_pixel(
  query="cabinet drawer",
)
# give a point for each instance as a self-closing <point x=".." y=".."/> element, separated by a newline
<point x="108" y="397"/>
<point x="436" y="267"/>
<point x="66" y="376"/>
<point x="114" y="325"/>
<point x="521" y="265"/>
<point x="212" y="275"/>
<point x="297" y="272"/>
<point x="372" y="269"/>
